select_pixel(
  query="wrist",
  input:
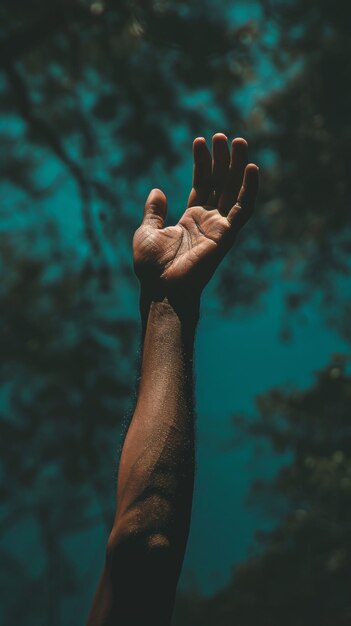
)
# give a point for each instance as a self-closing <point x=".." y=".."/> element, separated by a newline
<point x="183" y="309"/>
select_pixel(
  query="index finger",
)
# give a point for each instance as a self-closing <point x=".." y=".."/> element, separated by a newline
<point x="202" y="174"/>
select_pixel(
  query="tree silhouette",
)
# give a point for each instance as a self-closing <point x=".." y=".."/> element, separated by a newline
<point x="300" y="571"/>
<point x="104" y="95"/>
<point x="96" y="93"/>
<point x="66" y="377"/>
<point x="302" y="128"/>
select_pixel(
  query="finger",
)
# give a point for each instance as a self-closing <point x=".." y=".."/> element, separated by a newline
<point x="243" y="209"/>
<point x="202" y="175"/>
<point x="238" y="162"/>
<point x="155" y="209"/>
<point x="220" y="165"/>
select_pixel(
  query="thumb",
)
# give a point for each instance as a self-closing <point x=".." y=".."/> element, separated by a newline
<point x="155" y="209"/>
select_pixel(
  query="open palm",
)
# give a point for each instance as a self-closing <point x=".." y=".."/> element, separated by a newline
<point x="221" y="201"/>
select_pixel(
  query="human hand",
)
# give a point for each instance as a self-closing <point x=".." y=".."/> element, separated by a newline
<point x="178" y="261"/>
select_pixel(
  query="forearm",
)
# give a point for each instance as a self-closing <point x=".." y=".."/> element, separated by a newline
<point x="155" y="476"/>
<point x="156" y="473"/>
<point x="155" y="479"/>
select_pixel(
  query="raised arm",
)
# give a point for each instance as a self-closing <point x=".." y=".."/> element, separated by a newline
<point x="156" y="472"/>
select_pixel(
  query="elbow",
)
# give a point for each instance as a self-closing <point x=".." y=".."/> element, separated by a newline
<point x="130" y="547"/>
<point x="141" y="566"/>
<point x="145" y="542"/>
<point x="157" y="541"/>
<point x="141" y="530"/>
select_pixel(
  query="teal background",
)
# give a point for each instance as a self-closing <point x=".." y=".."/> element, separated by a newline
<point x="275" y="315"/>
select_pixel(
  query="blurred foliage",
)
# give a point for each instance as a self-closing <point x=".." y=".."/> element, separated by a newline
<point x="110" y="93"/>
<point x="114" y="91"/>
<point x="95" y="93"/>
<point x="104" y="86"/>
<point x="65" y="380"/>
<point x="305" y="126"/>
<point x="300" y="572"/>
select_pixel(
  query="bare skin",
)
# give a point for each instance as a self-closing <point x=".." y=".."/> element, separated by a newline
<point x="156" y="472"/>
<point x="186" y="255"/>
